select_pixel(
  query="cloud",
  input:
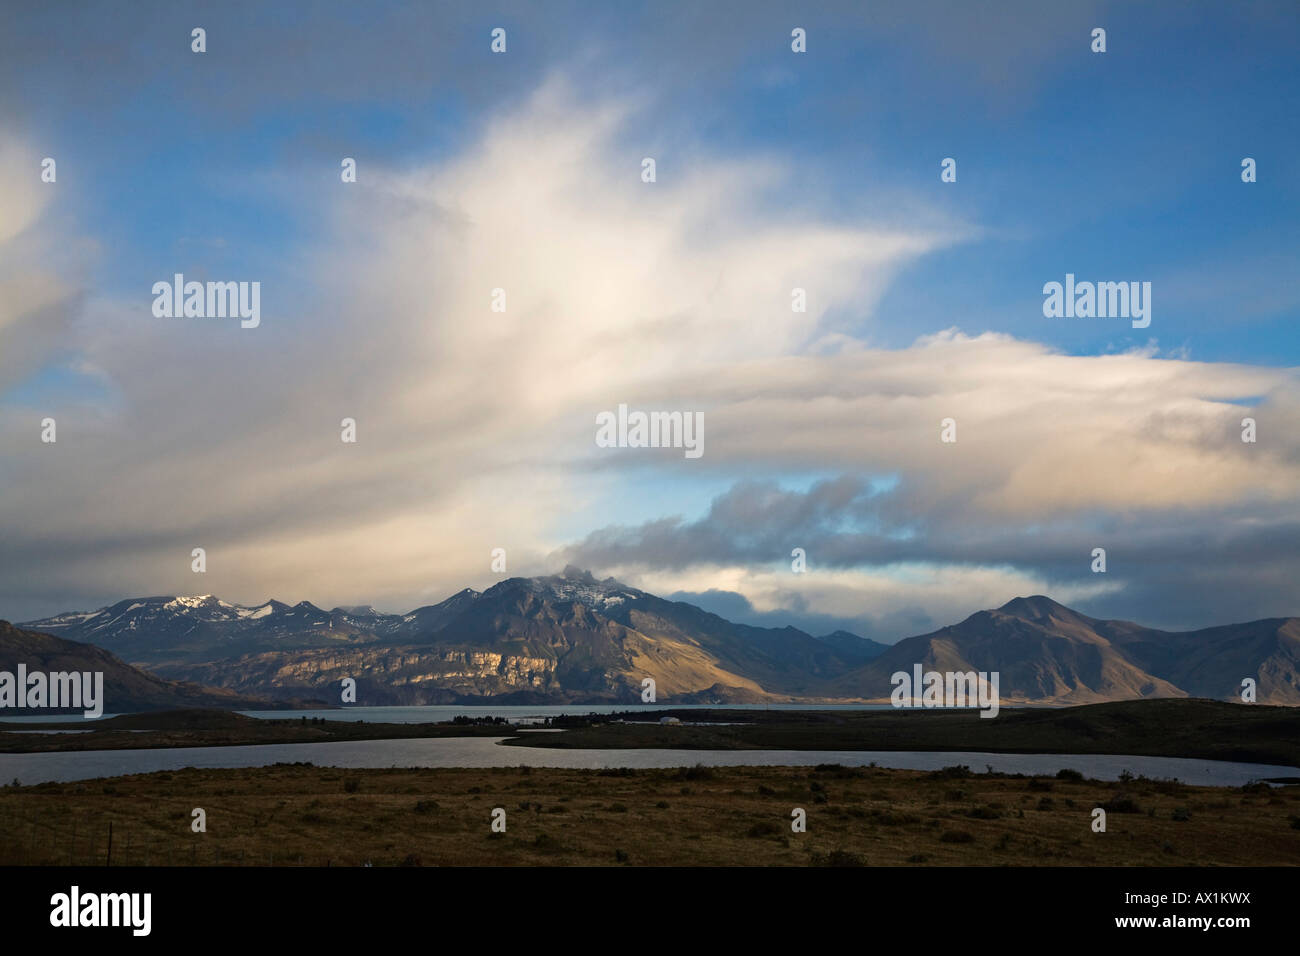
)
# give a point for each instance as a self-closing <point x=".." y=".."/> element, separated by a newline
<point x="474" y="426"/>
<point x="39" y="265"/>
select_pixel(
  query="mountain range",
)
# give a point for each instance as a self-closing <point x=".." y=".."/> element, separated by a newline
<point x="572" y="638"/>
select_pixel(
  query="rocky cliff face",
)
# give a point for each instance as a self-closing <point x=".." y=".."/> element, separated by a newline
<point x="404" y="675"/>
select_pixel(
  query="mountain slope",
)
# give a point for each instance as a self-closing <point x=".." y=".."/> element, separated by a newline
<point x="125" y="687"/>
<point x="1047" y="652"/>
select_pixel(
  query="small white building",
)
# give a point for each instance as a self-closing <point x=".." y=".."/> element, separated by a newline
<point x="669" y="720"/>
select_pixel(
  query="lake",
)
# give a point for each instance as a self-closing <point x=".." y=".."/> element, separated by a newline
<point x="488" y="752"/>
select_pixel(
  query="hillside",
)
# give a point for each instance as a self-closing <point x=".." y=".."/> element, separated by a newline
<point x="125" y="688"/>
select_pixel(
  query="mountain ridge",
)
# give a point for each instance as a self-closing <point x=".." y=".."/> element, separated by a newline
<point x="574" y="637"/>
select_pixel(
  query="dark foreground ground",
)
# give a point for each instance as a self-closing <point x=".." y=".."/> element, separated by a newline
<point x="299" y="815"/>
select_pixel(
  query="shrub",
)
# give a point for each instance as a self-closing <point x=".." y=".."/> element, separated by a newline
<point x="1121" y="804"/>
<point x="956" y="836"/>
<point x="895" y="819"/>
<point x="957" y="772"/>
<point x="1067" y="774"/>
<point x="698" y="772"/>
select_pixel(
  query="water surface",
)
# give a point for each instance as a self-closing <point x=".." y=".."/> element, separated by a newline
<point x="488" y="752"/>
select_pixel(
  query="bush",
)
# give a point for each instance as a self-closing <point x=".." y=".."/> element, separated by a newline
<point x="956" y="836"/>
<point x="426" y="806"/>
<point x="957" y="772"/>
<point x="1181" y="814"/>
<point x="1121" y="804"/>
<point x="1067" y="774"/>
<point x="698" y="772"/>
<point x="351" y="785"/>
<point x="839" y="771"/>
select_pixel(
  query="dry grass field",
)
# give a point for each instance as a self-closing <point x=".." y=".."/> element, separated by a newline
<point x="299" y="815"/>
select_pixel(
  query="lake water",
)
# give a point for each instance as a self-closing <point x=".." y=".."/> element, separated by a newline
<point x="488" y="752"/>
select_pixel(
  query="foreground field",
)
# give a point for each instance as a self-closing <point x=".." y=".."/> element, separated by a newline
<point x="311" y="816"/>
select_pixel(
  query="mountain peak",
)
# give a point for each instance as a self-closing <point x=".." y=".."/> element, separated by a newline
<point x="1036" y="607"/>
<point x="575" y="573"/>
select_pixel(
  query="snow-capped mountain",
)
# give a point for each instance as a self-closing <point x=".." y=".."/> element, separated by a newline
<point x="567" y="635"/>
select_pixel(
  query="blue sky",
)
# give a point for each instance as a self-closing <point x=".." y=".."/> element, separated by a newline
<point x="1116" y="166"/>
<point x="1110" y="165"/>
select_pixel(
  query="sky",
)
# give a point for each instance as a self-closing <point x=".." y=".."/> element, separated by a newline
<point x="522" y="170"/>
